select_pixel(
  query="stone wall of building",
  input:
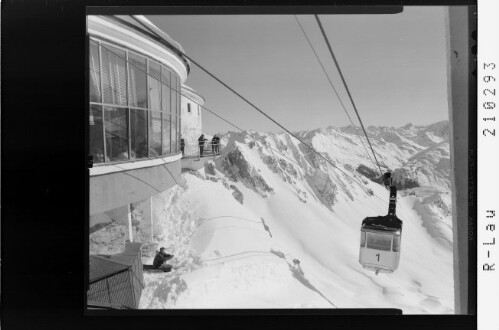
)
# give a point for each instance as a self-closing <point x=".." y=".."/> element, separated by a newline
<point x="191" y="116"/>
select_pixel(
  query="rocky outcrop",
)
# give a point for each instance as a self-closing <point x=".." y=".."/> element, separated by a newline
<point x="285" y="169"/>
<point x="209" y="168"/>
<point x="237" y="168"/>
<point x="403" y="179"/>
<point x="369" y="173"/>
<point x="238" y="195"/>
<point x="324" y="188"/>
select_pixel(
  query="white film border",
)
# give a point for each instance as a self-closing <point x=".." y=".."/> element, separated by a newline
<point x="488" y="166"/>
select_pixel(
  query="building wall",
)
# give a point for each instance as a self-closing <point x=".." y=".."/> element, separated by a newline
<point x="135" y="142"/>
<point x="191" y="122"/>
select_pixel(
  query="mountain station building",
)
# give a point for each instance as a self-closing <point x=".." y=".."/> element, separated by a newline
<point x="135" y="76"/>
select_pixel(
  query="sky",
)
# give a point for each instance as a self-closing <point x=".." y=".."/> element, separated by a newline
<point x="394" y="65"/>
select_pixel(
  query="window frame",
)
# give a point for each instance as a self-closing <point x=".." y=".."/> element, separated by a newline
<point x="104" y="121"/>
<point x="102" y="100"/>
<point x="99" y="68"/>
<point x="146" y="73"/>
<point x="102" y="139"/>
<point x="174" y="114"/>
<point x="150" y="130"/>
<point x="126" y="69"/>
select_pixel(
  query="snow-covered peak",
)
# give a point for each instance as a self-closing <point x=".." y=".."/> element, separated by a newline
<point x="271" y="224"/>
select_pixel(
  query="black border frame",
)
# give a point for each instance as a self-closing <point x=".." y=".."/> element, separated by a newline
<point x="472" y="165"/>
<point x="43" y="272"/>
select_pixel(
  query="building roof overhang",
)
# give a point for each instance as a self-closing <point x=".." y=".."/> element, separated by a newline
<point x="140" y="35"/>
<point x="189" y="92"/>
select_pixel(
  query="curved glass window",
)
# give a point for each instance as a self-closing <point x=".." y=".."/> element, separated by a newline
<point x="138" y="80"/>
<point x="154" y="85"/>
<point x="166" y="90"/>
<point x="96" y="134"/>
<point x="138" y="133"/>
<point x="174" y="111"/>
<point x="179" y="117"/>
<point x="155" y="149"/>
<point x="95" y="94"/>
<point x="116" y="128"/>
<point x="174" y="93"/>
<point x="114" y="75"/>
<point x="134" y="105"/>
<point x="174" y="134"/>
<point x="166" y="131"/>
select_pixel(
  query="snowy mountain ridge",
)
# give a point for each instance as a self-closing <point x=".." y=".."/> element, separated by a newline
<point x="417" y="153"/>
<point x="238" y="225"/>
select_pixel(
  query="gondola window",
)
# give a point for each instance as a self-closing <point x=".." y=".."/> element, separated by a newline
<point x="362" y="239"/>
<point x="379" y="242"/>
<point x="396" y="244"/>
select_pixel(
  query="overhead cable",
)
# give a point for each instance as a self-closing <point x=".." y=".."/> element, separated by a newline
<point x="289" y="132"/>
<point x="346" y="87"/>
<point x="334" y="89"/>
<point x="242" y="97"/>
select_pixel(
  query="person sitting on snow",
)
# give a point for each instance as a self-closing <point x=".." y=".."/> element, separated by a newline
<point x="160" y="259"/>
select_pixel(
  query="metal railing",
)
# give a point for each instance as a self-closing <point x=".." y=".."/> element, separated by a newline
<point x="194" y="150"/>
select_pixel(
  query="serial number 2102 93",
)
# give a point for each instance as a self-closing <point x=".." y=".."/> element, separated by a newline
<point x="489" y="92"/>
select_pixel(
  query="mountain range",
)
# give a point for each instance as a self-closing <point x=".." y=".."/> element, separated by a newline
<point x="238" y="226"/>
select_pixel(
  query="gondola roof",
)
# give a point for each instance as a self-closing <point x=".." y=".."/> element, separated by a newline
<point x="385" y="223"/>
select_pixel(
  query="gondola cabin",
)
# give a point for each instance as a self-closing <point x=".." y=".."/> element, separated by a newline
<point x="380" y="239"/>
<point x="380" y="243"/>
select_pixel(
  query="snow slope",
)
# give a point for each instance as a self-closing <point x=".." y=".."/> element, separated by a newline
<point x="237" y="226"/>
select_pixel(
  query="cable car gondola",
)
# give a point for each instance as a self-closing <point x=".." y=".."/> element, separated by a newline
<point x="380" y="237"/>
